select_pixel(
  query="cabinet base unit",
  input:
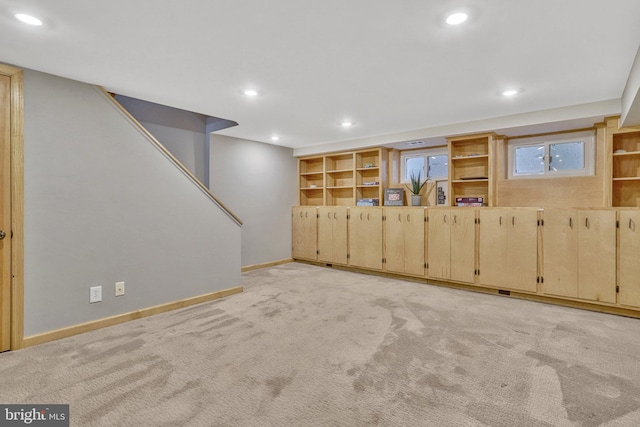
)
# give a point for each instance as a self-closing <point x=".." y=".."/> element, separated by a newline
<point x="582" y="258"/>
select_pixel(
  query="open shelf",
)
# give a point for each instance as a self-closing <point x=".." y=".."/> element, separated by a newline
<point x="471" y="167"/>
<point x="340" y="179"/>
<point x="625" y="186"/>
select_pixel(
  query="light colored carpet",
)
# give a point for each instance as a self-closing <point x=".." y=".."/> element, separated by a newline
<point x="312" y="346"/>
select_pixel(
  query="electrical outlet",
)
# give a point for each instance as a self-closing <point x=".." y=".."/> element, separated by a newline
<point x="95" y="294"/>
<point x="119" y="289"/>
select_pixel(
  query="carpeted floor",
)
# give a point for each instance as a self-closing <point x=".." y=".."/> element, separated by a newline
<point x="313" y="346"/>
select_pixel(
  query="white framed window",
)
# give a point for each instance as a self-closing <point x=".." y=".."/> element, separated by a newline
<point x="571" y="154"/>
<point x="431" y="163"/>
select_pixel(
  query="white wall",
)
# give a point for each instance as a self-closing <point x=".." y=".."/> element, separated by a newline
<point x="258" y="182"/>
<point x="102" y="204"/>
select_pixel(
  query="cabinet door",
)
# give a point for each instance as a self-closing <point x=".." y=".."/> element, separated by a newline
<point x="325" y="235"/>
<point x="394" y="240"/>
<point x="365" y="238"/>
<point x="560" y="252"/>
<point x="339" y="233"/>
<point x="439" y="238"/>
<point x="629" y="278"/>
<point x="463" y="245"/>
<point x="522" y="249"/>
<point x="493" y="247"/>
<point x="413" y="229"/>
<point x="332" y="234"/>
<point x="597" y="255"/>
<point x="304" y="233"/>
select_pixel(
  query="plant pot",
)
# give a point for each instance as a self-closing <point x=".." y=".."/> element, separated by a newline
<point x="416" y="200"/>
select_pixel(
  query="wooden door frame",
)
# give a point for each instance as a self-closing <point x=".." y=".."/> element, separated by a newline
<point x="16" y="234"/>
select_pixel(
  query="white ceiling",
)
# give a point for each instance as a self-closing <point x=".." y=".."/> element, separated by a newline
<point x="393" y="67"/>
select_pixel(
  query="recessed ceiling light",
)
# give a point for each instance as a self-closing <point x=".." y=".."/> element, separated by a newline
<point x="28" y="19"/>
<point x="510" y="92"/>
<point x="275" y="138"/>
<point x="457" y="18"/>
<point x="346" y="124"/>
<point x="250" y="92"/>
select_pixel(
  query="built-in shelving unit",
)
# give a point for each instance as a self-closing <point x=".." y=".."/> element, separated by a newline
<point x="626" y="168"/>
<point x="311" y="181"/>
<point x="341" y="179"/>
<point x="471" y="167"/>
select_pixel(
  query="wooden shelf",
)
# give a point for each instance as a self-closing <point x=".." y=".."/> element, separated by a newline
<point x="479" y="156"/>
<point x="471" y="167"/>
<point x="341" y="178"/>
<point x="625" y="173"/>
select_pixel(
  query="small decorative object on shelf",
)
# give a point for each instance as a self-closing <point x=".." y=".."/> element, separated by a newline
<point x="369" y="165"/>
<point x="394" y="197"/>
<point x="368" y="202"/>
<point x="416" y="187"/>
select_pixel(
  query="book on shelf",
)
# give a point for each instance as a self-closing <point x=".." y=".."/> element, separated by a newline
<point x="460" y="204"/>
<point x="368" y="202"/>
<point x="470" y="199"/>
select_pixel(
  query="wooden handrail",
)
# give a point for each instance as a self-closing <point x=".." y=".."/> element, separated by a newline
<point x="171" y="157"/>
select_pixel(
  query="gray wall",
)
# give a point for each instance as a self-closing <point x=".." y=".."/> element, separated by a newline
<point x="183" y="133"/>
<point x="258" y="182"/>
<point x="102" y="204"/>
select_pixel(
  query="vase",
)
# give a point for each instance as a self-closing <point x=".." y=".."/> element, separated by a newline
<point x="416" y="200"/>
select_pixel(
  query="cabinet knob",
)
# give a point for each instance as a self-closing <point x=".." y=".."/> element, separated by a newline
<point x="571" y="223"/>
<point x="2" y="234"/>
<point x="335" y="215"/>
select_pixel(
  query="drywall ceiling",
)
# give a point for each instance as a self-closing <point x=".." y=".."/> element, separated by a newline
<point x="394" y="68"/>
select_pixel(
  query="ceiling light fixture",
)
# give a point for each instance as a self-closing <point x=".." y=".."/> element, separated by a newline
<point x="275" y="138"/>
<point x="28" y="19"/>
<point x="250" y="92"/>
<point x="510" y="92"/>
<point x="346" y="124"/>
<point x="457" y="18"/>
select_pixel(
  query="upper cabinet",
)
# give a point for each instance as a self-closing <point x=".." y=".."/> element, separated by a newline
<point x="471" y="170"/>
<point x="341" y="179"/>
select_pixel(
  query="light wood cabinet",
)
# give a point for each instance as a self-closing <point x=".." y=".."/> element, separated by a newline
<point x="629" y="258"/>
<point x="560" y="249"/>
<point x="404" y="240"/>
<point x="365" y="237"/>
<point x="341" y="179"/>
<point x="508" y="248"/>
<point x="597" y="255"/>
<point x="332" y="234"/>
<point x="451" y="246"/>
<point x="579" y="254"/>
<point x="471" y="169"/>
<point x="304" y="233"/>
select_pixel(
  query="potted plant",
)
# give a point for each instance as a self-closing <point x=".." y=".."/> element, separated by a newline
<point x="416" y="187"/>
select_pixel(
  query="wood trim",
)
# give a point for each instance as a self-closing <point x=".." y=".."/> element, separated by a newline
<point x="266" y="264"/>
<point x="171" y="157"/>
<point x="558" y="132"/>
<point x="126" y="317"/>
<point x="17" y="203"/>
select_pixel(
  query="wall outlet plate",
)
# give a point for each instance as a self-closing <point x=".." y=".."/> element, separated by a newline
<point x="95" y="294"/>
<point x="119" y="289"/>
